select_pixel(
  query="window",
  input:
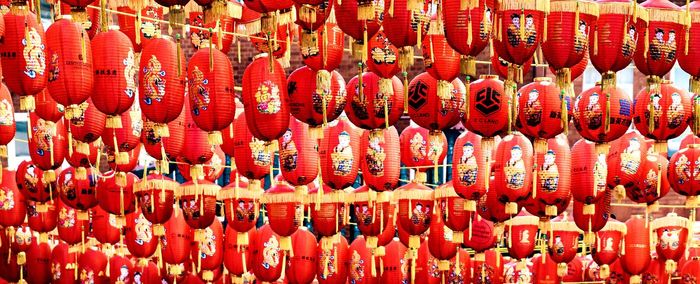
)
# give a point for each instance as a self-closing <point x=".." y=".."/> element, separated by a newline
<point x="18" y="149"/>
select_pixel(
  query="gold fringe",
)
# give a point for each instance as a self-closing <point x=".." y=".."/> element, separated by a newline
<point x="274" y="198"/>
<point x="155" y="184"/>
<point x="209" y="189"/>
<point x="666" y="15"/>
<point x="623" y="8"/>
<point x="583" y="7"/>
<point x="520" y="5"/>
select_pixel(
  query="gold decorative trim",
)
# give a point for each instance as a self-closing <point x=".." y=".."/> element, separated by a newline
<point x="366" y="196"/>
<point x="622" y="8"/>
<point x="287" y="197"/>
<point x="155" y="184"/>
<point x="229" y="193"/>
<point x="445" y="191"/>
<point x="666" y="15"/>
<point x="208" y="189"/>
<point x="670" y="220"/>
<point x="565" y="226"/>
<point x="584" y="7"/>
<point x="413" y="194"/>
<point x="335" y="196"/>
<point x="539" y="5"/>
<point x="615" y="226"/>
<point x="523" y="220"/>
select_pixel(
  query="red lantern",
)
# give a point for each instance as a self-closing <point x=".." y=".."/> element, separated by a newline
<point x="602" y="116"/>
<point x="635" y="254"/>
<point x="539" y="209"/>
<point x="690" y="271"/>
<point x="176" y="242"/>
<point x="268" y="257"/>
<point x="142" y="29"/>
<point x="588" y="172"/>
<point x="656" y="54"/>
<point x="86" y="126"/>
<point x="553" y="173"/>
<point x="209" y="250"/>
<point x="301" y="267"/>
<point x="339" y="151"/>
<point x="360" y="20"/>
<point x="395" y="263"/>
<point x="378" y="104"/>
<point x="322" y="49"/>
<point x="332" y="260"/>
<point x="42" y="222"/>
<point x="162" y="82"/>
<point x="362" y="267"/>
<point x="682" y="175"/>
<point x="405" y="24"/>
<point x="415" y="209"/>
<point x="47" y="108"/>
<point x="241" y="207"/>
<point x="298" y="154"/>
<point x="373" y="211"/>
<point x="126" y="138"/>
<point x="64" y="264"/>
<point x="453" y="211"/>
<point x="252" y="155"/>
<point x="384" y="57"/>
<point x="12" y="203"/>
<point x="116" y="198"/>
<point x="494" y="210"/>
<point x="544" y="269"/>
<point x="32" y="184"/>
<point x="513" y="170"/>
<point x="608" y="245"/>
<point x="592" y="221"/>
<point x="121" y="167"/>
<point x="70" y="74"/>
<point x="460" y="267"/>
<point x="313" y="14"/>
<point x="316" y="97"/>
<point x="440" y="60"/>
<point x="328" y="211"/>
<point x="476" y="21"/>
<point x="487" y="113"/>
<point x="265" y="99"/>
<point x="173" y="144"/>
<point x="669" y="109"/>
<point x="653" y="181"/>
<point x="71" y="229"/>
<point x="672" y="235"/>
<point x="432" y="106"/>
<point x="274" y="43"/>
<point x="92" y="265"/>
<point x="441" y="243"/>
<point x="47" y="144"/>
<point x="542" y="109"/>
<point x="428" y="268"/>
<point x="380" y="162"/>
<point x="469" y="169"/>
<point x="624" y="158"/>
<point x="285" y="212"/>
<point x="78" y="193"/>
<point x="488" y="268"/>
<point x="502" y="68"/>
<point x="115" y="71"/>
<point x="80" y="160"/>
<point x="198" y="203"/>
<point x="155" y="195"/>
<point x="38" y="263"/>
<point x="25" y="75"/>
<point x="7" y="120"/>
<point x="424" y="149"/>
<point x="139" y="236"/>
<point x="211" y="170"/>
<point x="238" y="257"/>
<point x="570" y="26"/>
<point x="687" y="57"/>
<point x="562" y="242"/>
<point x="211" y="91"/>
<point x="522" y="234"/>
<point x="106" y="227"/>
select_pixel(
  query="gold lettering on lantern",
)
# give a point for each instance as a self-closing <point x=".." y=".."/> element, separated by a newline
<point x="267" y="97"/>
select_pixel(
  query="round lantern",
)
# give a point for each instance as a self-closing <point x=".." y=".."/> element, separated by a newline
<point x="122" y="268"/>
<point x="86" y="126"/>
<point x="106" y="228"/>
<point x="252" y="156"/>
<point x="47" y="108"/>
<point x="415" y="209"/>
<point x="543" y="110"/>
<point x="672" y="235"/>
<point x="691" y="271"/>
<point x="238" y="257"/>
<point x="602" y="115"/>
<point x="23" y="53"/>
<point x="172" y="145"/>
<point x="428" y="269"/>
<point x="682" y="175"/>
<point x="362" y="267"/>
<point x="379" y="103"/>
<point x="384" y="58"/>
<point x="322" y="49"/>
<point x="588" y="172"/>
<point x="553" y="173"/>
<point x="313" y="101"/>
<point x="114" y="65"/>
<point x="433" y="107"/>
<point x="209" y="250"/>
<point x="332" y="261"/>
<point x="570" y="26"/>
<point x="38" y="263"/>
<point x="47" y="144"/>
<point x="300" y="267"/>
<point x="339" y="151"/>
<point x="488" y="268"/>
<point x="312" y="15"/>
<point x="441" y="243"/>
<point x="656" y="53"/>
<point x="562" y="241"/>
<point x="635" y="254"/>
<point x="298" y="154"/>
<point x="424" y="148"/>
<point x="380" y="158"/>
<point x="33" y="185"/>
<point x="662" y="114"/>
<point x="124" y="139"/>
<point x="608" y="245"/>
<point x="453" y="211"/>
<point x="624" y="158"/>
<point x="211" y="91"/>
<point x="116" y="198"/>
<point x="80" y="160"/>
<point x="42" y="222"/>
<point x="492" y="209"/>
<point x="328" y="211"/>
<point x="522" y="234"/>
<point x="162" y="82"/>
<point x="71" y="229"/>
<point x="652" y="183"/>
<point x="405" y="24"/>
<point x="617" y="34"/>
<point x="268" y="256"/>
<point x="155" y="196"/>
<point x="285" y="211"/>
<point x="12" y="203"/>
<point x="503" y="68"/>
<point x="142" y="29"/>
<point x="513" y="170"/>
<point x="78" y="193"/>
<point x="198" y="203"/>
<point x="139" y="236"/>
<point x="212" y="170"/>
<point x="70" y="74"/>
<point x="241" y="207"/>
<point x="64" y="263"/>
<point x="265" y="99"/>
<point x="373" y="212"/>
<point x="589" y="221"/>
<point x="199" y="151"/>
<point x="122" y="167"/>
<point x="360" y="19"/>
<point x="475" y="20"/>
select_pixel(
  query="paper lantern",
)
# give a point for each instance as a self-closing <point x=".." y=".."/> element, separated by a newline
<point x="597" y="122"/>
<point x="488" y="268"/>
<point x="268" y="257"/>
<point x="322" y="49"/>
<point x="440" y="60"/>
<point x="332" y="261"/>
<point x="491" y="208"/>
<point x="428" y="267"/>
<point x="539" y="209"/>
<point x="64" y="263"/>
<point x="362" y="267"/>
<point x="570" y="26"/>
<point x="209" y="250"/>
<point x="360" y="20"/>
<point x="553" y="173"/>
<point x="687" y="56"/>
<point x="653" y="180"/>
<point x="672" y="235"/>
<point x="635" y="254"/>
<point x="47" y="108"/>
<point x="241" y="207"/>
<point x="406" y="24"/>
<point x="313" y="103"/>
<point x="173" y="145"/>
<point x="199" y="151"/>
<point x="476" y="21"/>
<point x="469" y="169"/>
<point x="265" y="99"/>
<point x="77" y="193"/>
<point x="38" y="263"/>
<point x="372" y="211"/>
<point x="543" y="110"/>
<point x="328" y="211"/>
<point x="212" y="169"/>
<point x="339" y="151"/>
<point x="198" y="203"/>
<point x="274" y="43"/>
<point x="238" y="257"/>
<point x="441" y="243"/>
<point x="395" y="263"/>
<point x="7" y="120"/>
<point x="142" y="29"/>
<point x="608" y="245"/>
<point x="690" y="271"/>
<point x="12" y="203"/>
<point x="26" y="75"/>
<point x="682" y="174"/>
<point x="285" y="211"/>
<point x="211" y="91"/>
<point x="176" y="242"/>
<point x="522" y="234"/>
<point x="301" y="267"/>
<point x="483" y="236"/>
<point x="162" y="82"/>
<point x="155" y="195"/>
<point x="115" y="69"/>
<point x="86" y="126"/>
<point x="424" y="149"/>
<point x="375" y="104"/>
<point x="71" y="229"/>
<point x="106" y="227"/>
<point x="116" y="198"/>
<point x="591" y="222"/>
<point x="42" y="222"/>
<point x="656" y="53"/>
<point x="32" y="184"/>
<point x="488" y="110"/>
<point x="126" y="138"/>
<point x="513" y="170"/>
<point x="47" y="144"/>
<point x="460" y="267"/>
<point x="92" y="265"/>
<point x="78" y="160"/>
<point x="617" y="36"/>
<point x="562" y="243"/>
<point x="139" y="236"/>
<point x="415" y="210"/>
<point x="384" y="57"/>
<point x="453" y="210"/>
<point x="252" y="156"/>
<point x="380" y="158"/>
<point x="312" y="15"/>
<point x="624" y="158"/>
<point x="669" y="109"/>
<point x="503" y="68"/>
<point x="588" y="172"/>
<point x="432" y="107"/>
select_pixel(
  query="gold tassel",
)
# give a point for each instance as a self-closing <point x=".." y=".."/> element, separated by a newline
<point x="469" y="31"/>
<point x="564" y="113"/>
<point x="137" y="27"/>
<point x="595" y="41"/>
<point x="405" y="92"/>
<point x="607" y="112"/>
<point x="646" y="42"/>
<point x="696" y="114"/>
<point x="83" y="48"/>
<point x="522" y="25"/>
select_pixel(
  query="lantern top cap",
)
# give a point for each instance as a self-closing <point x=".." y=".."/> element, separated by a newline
<point x="670" y="220"/>
<point x="486" y="77"/>
<point x="543" y="79"/>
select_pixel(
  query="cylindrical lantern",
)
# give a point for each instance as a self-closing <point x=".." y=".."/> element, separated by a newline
<point x="635" y="254"/>
<point x="374" y="102"/>
<point x="339" y="151"/>
<point x="115" y="69"/>
<point x="268" y="257"/>
<point x="608" y="245"/>
<point x="672" y="239"/>
<point x="543" y="110"/>
<point x="265" y="99"/>
<point x="662" y="114"/>
<point x="332" y="261"/>
<point x="469" y="169"/>
<point x="588" y="172"/>
<point x="435" y="104"/>
<point x="241" y="207"/>
<point x="453" y="211"/>
<point x="47" y="145"/>
<point x="562" y="243"/>
<point x="380" y="158"/>
<point x="405" y="25"/>
<point x="553" y="173"/>
<point x="155" y="195"/>
<point x="209" y="251"/>
<point x="178" y="237"/>
<point x="513" y="170"/>
<point x="360" y="19"/>
<point x="285" y="211"/>
<point x="301" y="267"/>
<point x="238" y="257"/>
<point x="198" y="202"/>
<point x="114" y="196"/>
<point x="139" y="236"/>
<point x="171" y="145"/>
<point x="252" y="156"/>
<point x="299" y="158"/>
<point x="475" y="20"/>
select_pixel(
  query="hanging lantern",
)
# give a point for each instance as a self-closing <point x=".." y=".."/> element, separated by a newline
<point x="285" y="211"/>
<point x="441" y="244"/>
<point x="339" y="151"/>
<point x="395" y="263"/>
<point x="80" y="160"/>
<point x="209" y="250"/>
<point x="488" y="268"/>
<point x="672" y="235"/>
<point x="384" y="58"/>
<point x="85" y="127"/>
<point x="176" y="242"/>
<point x="92" y="266"/>
<point x="139" y="236"/>
<point x="635" y="254"/>
<point x="39" y="259"/>
<point x="453" y="211"/>
<point x="476" y="21"/>
<point x="301" y="266"/>
<point x="7" y="122"/>
<point x="360" y="260"/>
<point x="360" y="19"/>
<point x="71" y="229"/>
<point x="47" y="144"/>
<point x="70" y="70"/>
<point x="380" y="159"/>
<point x="312" y="15"/>
<point x="123" y="140"/>
<point x="405" y="24"/>
<point x="415" y="212"/>
<point x="238" y="257"/>
<point x="176" y="13"/>
<point x="591" y="222"/>
<point x="25" y="75"/>
<point x="147" y="271"/>
<point x="653" y="181"/>
<point x="63" y="263"/>
<point x="602" y="115"/>
<point x="198" y="203"/>
<point x="31" y="182"/>
<point x="155" y="196"/>
<point x="299" y="164"/>
<point x="252" y="156"/>
<point x="589" y="172"/>
<point x="277" y="44"/>
<point x="375" y="105"/>
<point x="241" y="207"/>
<point x="656" y="54"/>
<point x="502" y="68"/>
<point x="424" y="149"/>
<point x="494" y="210"/>
<point x="116" y="198"/>
<point x="212" y="169"/>
<point x="265" y="99"/>
<point x="624" y="159"/>
<point x="522" y="236"/>
<point x="105" y="227"/>
<point x="12" y="204"/>
<point x="374" y="213"/>
<point x="430" y="108"/>
<point x="668" y="106"/>
<point x="687" y="56"/>
<point x="332" y="261"/>
<point x="143" y="28"/>
<point x="122" y="168"/>
<point x="539" y="209"/>
<point x="543" y="111"/>
<point x="312" y="102"/>
<point x="513" y="170"/>
<point x="114" y="66"/>
<point x="570" y="26"/>
<point x="42" y="222"/>
<point x="172" y="145"/>
<point x="322" y="49"/>
<point x="274" y="12"/>
<point x="690" y="271"/>
<point x="440" y="60"/>
<point x="608" y="245"/>
<point x="544" y="269"/>
<point x="268" y="257"/>
<point x="199" y="151"/>
<point x="162" y="82"/>
<point x="468" y="169"/>
<point x="460" y="267"/>
<point x="428" y="266"/>
<point x="682" y="174"/>
<point x="328" y="212"/>
<point x="562" y="242"/>
<point x="553" y="173"/>
<point x="78" y="193"/>
<point x="47" y="108"/>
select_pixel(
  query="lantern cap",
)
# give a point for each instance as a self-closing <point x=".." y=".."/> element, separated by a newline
<point x="623" y="8"/>
<point x="155" y="182"/>
<point x="281" y="197"/>
<point x="543" y="79"/>
<point x="572" y="6"/>
<point x="228" y="192"/>
<point x="542" y="6"/>
<point x="205" y="188"/>
<point x="365" y="195"/>
<point x="670" y="220"/>
<point x="446" y="190"/>
<point x="666" y="13"/>
<point x="329" y="196"/>
<point x="523" y="220"/>
<point x="614" y="225"/>
<point x="413" y="191"/>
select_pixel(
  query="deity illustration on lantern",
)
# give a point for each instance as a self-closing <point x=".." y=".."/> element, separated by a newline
<point x="123" y="274"/>
<point x="327" y="259"/>
<point x="375" y="155"/>
<point x="384" y="54"/>
<point x="154" y="80"/>
<point x="581" y="37"/>
<point x="418" y="147"/>
<point x="145" y="203"/>
<point x="143" y="231"/>
<point x="420" y="214"/>
<point x="659" y="47"/>
<point x="670" y="239"/>
<point x="631" y="157"/>
<point x="7" y="201"/>
<point x="486" y="24"/>
<point x="593" y="112"/>
<point x="191" y="208"/>
<point x="650" y="182"/>
<point x="363" y="214"/>
<point x="150" y="29"/>
<point x="130" y="73"/>
<point x="514" y="35"/>
<point x="69" y="186"/>
<point x="66" y="218"/>
<point x="288" y="152"/>
<point x="682" y="169"/>
<point x="42" y="131"/>
<point x="533" y="108"/>
<point x="357" y="268"/>
<point x="467" y="168"/>
<point x="267" y="98"/>
<point x="558" y="245"/>
<point x="675" y="112"/>
<point x="260" y="156"/>
<point x="342" y="155"/>
<point x="271" y="253"/>
<point x="87" y="277"/>
<point x="515" y="169"/>
<point x="6" y="113"/>
<point x="600" y="173"/>
<point x="34" y="55"/>
<point x="608" y="244"/>
<point x="54" y="71"/>
<point x="629" y="45"/>
<point x="201" y="95"/>
<point x="435" y="149"/>
<point x="56" y="271"/>
<point x="245" y="211"/>
<point x="208" y="246"/>
<point x="549" y="174"/>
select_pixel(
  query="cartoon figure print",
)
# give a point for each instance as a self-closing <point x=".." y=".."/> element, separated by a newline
<point x="42" y="135"/>
<point x="593" y="112"/>
<point x="533" y="108"/>
<point x="631" y="157"/>
<point x="581" y="37"/>
<point x="467" y="169"/>
<point x="375" y="154"/>
<point x="549" y="173"/>
<point x="6" y="114"/>
<point x="660" y="48"/>
<point x="418" y="147"/>
<point x="288" y="152"/>
<point x="199" y="91"/>
<point x="420" y="214"/>
<point x="208" y="246"/>
<point x="515" y="169"/>
<point x="670" y="239"/>
<point x="675" y="113"/>
<point x="142" y="227"/>
<point x="34" y="54"/>
<point x="357" y="268"/>
<point x="271" y="253"/>
<point x="342" y="155"/>
<point x="7" y="200"/>
<point x="629" y="44"/>
<point x="154" y="81"/>
<point x="245" y="211"/>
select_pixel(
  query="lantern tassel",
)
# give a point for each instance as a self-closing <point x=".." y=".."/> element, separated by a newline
<point x="696" y="112"/>
<point x="405" y="92"/>
<point x="607" y="112"/>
